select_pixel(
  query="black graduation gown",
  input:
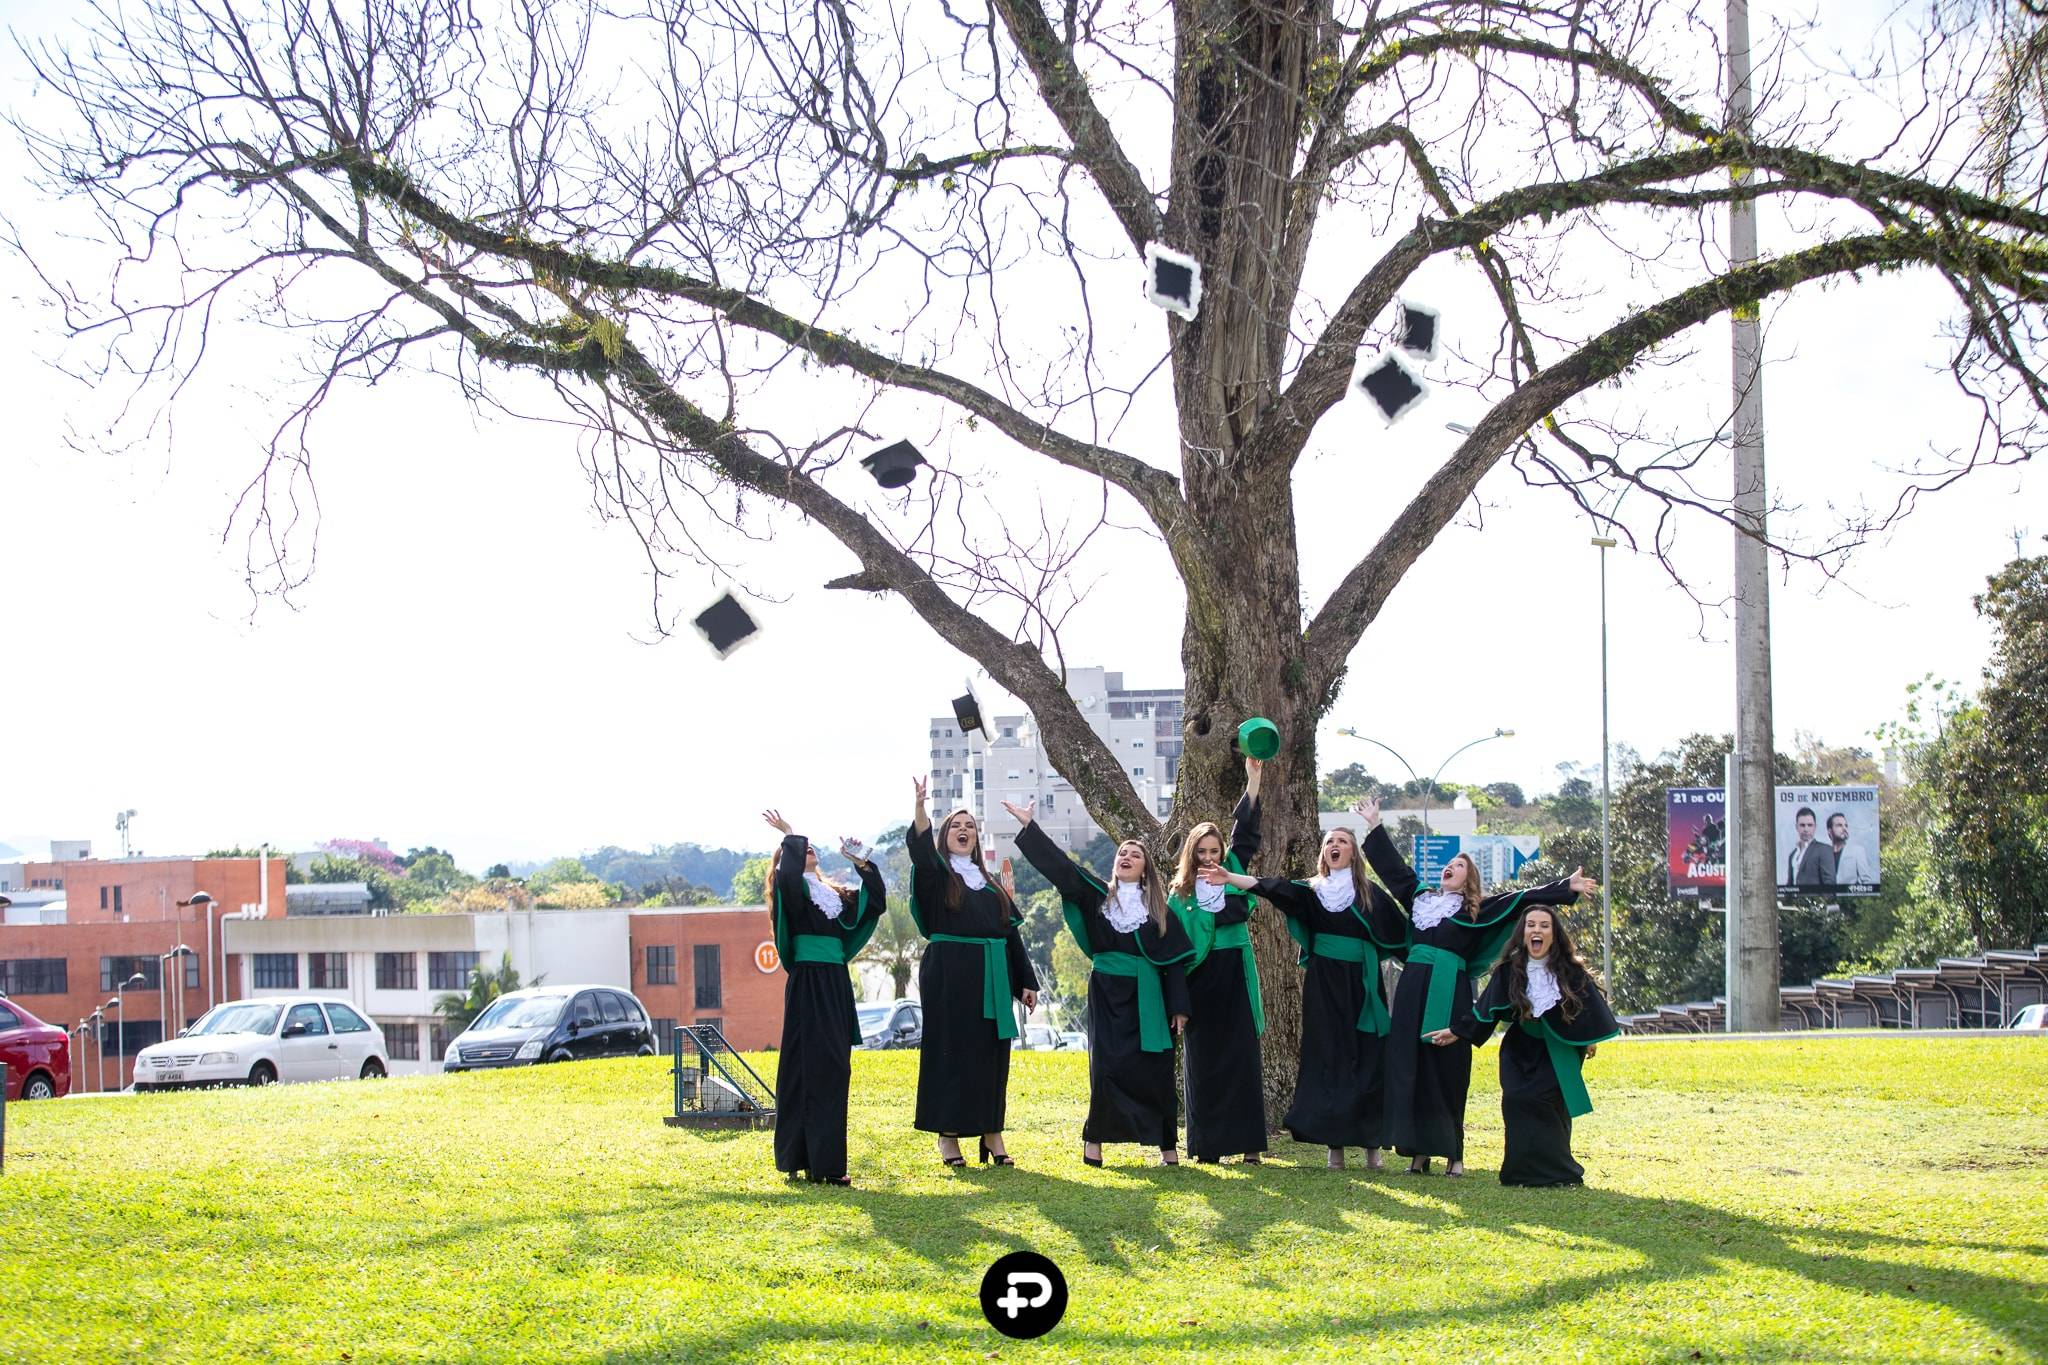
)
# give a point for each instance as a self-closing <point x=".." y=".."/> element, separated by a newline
<point x="1426" y="1084"/>
<point x="819" y="1026"/>
<point x="1130" y="1090"/>
<point x="1221" y="1063"/>
<point x="1533" y="1109"/>
<point x="963" y="1070"/>
<point x="1339" y="1087"/>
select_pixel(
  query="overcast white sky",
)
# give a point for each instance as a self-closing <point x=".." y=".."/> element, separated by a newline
<point x="472" y="666"/>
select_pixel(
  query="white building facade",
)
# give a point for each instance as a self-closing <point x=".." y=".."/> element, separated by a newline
<point x="1141" y="727"/>
<point x="393" y="968"/>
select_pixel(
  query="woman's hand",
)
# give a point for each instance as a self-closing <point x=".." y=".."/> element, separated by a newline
<point x="919" y="821"/>
<point x="1008" y="877"/>
<point x="1023" y="814"/>
<point x="1030" y="998"/>
<point x="853" y="850"/>
<point x="1254" y="769"/>
<point x="1217" y="875"/>
<point x="774" y="817"/>
<point x="1177" y="1023"/>
<point x="918" y="785"/>
<point x="1443" y="1037"/>
<point x="1367" y="809"/>
<point x="1583" y="884"/>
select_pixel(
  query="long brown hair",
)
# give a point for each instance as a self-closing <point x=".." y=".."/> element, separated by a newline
<point x="848" y="896"/>
<point x="1184" y="874"/>
<point x="1149" y="882"/>
<point x="955" y="887"/>
<point x="1574" y="977"/>
<point x="1475" y="889"/>
<point x="1360" y="887"/>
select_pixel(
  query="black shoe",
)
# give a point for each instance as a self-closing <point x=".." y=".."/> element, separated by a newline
<point x="999" y="1158"/>
<point x="951" y="1160"/>
<point x="1087" y="1160"/>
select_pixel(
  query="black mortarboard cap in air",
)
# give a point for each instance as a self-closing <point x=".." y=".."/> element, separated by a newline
<point x="894" y="466"/>
<point x="967" y="710"/>
<point x="726" y="625"/>
<point x="1172" y="281"/>
<point x="1419" y="329"/>
<point x="1389" y="384"/>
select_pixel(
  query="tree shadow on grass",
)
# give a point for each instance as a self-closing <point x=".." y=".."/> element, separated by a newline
<point x="1669" y="1240"/>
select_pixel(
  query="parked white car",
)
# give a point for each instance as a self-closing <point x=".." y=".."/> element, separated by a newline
<point x="258" y="1042"/>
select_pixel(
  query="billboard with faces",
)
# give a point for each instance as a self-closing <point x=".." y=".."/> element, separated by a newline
<point x="1826" y="841"/>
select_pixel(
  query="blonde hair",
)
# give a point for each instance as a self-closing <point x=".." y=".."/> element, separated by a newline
<point x="1360" y="887"/>
<point x="1184" y="875"/>
<point x="1154" y="891"/>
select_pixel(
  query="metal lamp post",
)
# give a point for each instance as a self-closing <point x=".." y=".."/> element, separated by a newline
<point x="167" y="1011"/>
<point x="1604" y="544"/>
<point x="121" y="1038"/>
<point x="1429" y="786"/>
<point x="203" y="903"/>
<point x="96" y="1021"/>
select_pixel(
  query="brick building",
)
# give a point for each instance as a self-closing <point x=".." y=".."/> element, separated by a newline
<point x="118" y="918"/>
<point x="704" y="964"/>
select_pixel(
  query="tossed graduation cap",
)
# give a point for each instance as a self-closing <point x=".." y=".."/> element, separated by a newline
<point x="1389" y="384"/>
<point x="726" y="625"/>
<point x="894" y="466"/>
<point x="1172" y="281"/>
<point x="967" y="710"/>
<point x="1419" y="329"/>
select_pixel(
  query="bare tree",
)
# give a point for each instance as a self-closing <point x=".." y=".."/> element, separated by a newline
<point x="668" y="217"/>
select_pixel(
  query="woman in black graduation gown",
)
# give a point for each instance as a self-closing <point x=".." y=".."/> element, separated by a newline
<point x="1221" y="1064"/>
<point x="1455" y="931"/>
<point x="1554" y="1013"/>
<point x="818" y="926"/>
<point x="1344" y="925"/>
<point x="1137" y="989"/>
<point x="974" y="965"/>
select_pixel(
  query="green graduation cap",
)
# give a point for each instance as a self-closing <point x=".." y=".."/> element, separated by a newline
<point x="1259" y="737"/>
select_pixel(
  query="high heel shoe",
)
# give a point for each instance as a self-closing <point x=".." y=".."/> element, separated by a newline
<point x="999" y="1158"/>
<point x="955" y="1160"/>
<point x="1087" y="1160"/>
<point x="1419" y="1166"/>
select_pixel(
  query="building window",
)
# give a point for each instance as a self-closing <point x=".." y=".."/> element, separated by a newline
<point x="1137" y="772"/>
<point x="117" y="900"/>
<point x="401" y="1039"/>
<point x="450" y="972"/>
<point x="399" y="972"/>
<point x="115" y="971"/>
<point x="103" y="898"/>
<point x="661" y="964"/>
<point x="437" y="1039"/>
<point x="277" y="971"/>
<point x="34" y="976"/>
<point x="327" y="971"/>
<point x="130" y="1038"/>
<point x="665" y="1036"/>
<point x="705" y="971"/>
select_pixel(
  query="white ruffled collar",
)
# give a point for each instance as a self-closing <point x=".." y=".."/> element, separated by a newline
<point x="1544" y="991"/>
<point x="969" y="870"/>
<point x="1210" y="897"/>
<point x="824" y="895"/>
<point x="1125" y="907"/>
<point x="1434" y="907"/>
<point x="1338" y="892"/>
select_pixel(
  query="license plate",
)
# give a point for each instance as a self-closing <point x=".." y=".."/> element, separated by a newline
<point x="170" y="1075"/>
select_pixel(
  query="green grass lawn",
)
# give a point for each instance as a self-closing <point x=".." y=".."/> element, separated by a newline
<point x="1847" y="1199"/>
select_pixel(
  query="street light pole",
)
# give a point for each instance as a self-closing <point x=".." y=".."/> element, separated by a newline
<point x="1430" y="786"/>
<point x="1605" y="544"/>
<point x="121" y="1038"/>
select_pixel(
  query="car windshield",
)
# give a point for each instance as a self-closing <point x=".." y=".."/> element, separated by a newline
<point x="238" y="1019"/>
<point x="526" y="1011"/>
<point x="872" y="1016"/>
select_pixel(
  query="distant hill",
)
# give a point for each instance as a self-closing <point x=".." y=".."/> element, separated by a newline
<point x="712" y="867"/>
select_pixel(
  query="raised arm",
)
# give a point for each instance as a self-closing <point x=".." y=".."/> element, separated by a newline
<point x="1385" y="860"/>
<point x="1056" y="867"/>
<point x="870" y="876"/>
<point x="1244" y="821"/>
<point x="789" y="872"/>
<point x="1563" y="891"/>
<point x="920" y="819"/>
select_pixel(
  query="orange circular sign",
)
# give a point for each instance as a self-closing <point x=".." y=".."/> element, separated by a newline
<point x="765" y="956"/>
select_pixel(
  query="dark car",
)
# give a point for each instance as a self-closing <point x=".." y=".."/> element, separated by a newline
<point x="553" y="1024"/>
<point x="891" y="1023"/>
<point x="37" y="1055"/>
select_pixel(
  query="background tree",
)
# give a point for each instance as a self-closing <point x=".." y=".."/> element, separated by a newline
<point x="896" y="946"/>
<point x="652" y="216"/>
<point x="484" y="986"/>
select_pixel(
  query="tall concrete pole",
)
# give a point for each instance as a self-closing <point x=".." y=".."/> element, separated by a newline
<point x="1753" y="944"/>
